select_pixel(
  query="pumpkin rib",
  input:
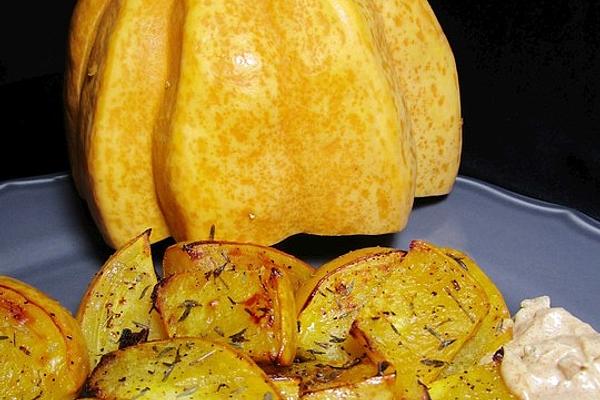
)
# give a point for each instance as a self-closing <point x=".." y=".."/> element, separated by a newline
<point x="87" y="15"/>
<point x="119" y="105"/>
<point x="88" y="100"/>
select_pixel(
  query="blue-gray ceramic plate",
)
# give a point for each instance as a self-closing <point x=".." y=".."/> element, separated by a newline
<point x="528" y="247"/>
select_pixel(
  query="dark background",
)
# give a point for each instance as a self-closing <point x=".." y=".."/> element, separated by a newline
<point x="530" y="86"/>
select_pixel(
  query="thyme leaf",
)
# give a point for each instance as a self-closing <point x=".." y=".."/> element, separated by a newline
<point x="203" y="357"/>
<point x="130" y="338"/>
<point x="433" y="363"/>
<point x="164" y="351"/>
<point x="141" y="393"/>
<point x="459" y="261"/>
<point x="188" y="305"/>
<point x="219" y="331"/>
<point x="144" y="290"/>
<point x="239" y="337"/>
<point x="189" y="391"/>
<point x="335" y="339"/>
<point x="459" y="304"/>
<point x="443" y="342"/>
<point x="171" y="366"/>
<point x="347" y="365"/>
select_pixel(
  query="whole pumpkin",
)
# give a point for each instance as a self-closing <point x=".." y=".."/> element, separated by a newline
<point x="259" y="118"/>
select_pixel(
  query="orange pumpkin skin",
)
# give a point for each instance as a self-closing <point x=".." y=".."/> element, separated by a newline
<point x="263" y="119"/>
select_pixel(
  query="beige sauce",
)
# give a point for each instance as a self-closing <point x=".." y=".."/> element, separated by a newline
<point x="553" y="355"/>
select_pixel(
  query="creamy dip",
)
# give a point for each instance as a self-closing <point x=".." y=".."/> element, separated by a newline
<point x="553" y="355"/>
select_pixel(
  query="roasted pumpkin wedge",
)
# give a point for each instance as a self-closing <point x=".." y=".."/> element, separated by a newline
<point x="250" y="307"/>
<point x="43" y="351"/>
<point x="331" y="300"/>
<point x="478" y="382"/>
<point x="314" y="380"/>
<point x="205" y="256"/>
<point x="117" y="305"/>
<point x="306" y="290"/>
<point x="495" y="328"/>
<point x="422" y="314"/>
<point x="188" y="368"/>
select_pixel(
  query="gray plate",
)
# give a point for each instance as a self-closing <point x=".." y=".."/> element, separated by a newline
<point x="528" y="248"/>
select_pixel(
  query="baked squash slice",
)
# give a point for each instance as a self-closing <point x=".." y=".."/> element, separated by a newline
<point x="414" y="310"/>
<point x="249" y="307"/>
<point x="329" y="303"/>
<point x="496" y="327"/>
<point x="116" y="308"/>
<point x="44" y="355"/>
<point x="188" y="368"/>
<point x="204" y="256"/>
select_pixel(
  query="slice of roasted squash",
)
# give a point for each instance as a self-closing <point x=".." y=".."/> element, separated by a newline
<point x="331" y="300"/>
<point x="495" y="328"/>
<point x="315" y="380"/>
<point x="307" y="289"/>
<point x="118" y="300"/>
<point x="205" y="256"/>
<point x="187" y="368"/>
<point x="248" y="306"/>
<point x="43" y="351"/>
<point x="422" y="314"/>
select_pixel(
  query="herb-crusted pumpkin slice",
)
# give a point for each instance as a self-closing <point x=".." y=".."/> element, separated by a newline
<point x="117" y="305"/>
<point x="495" y="328"/>
<point x="331" y="300"/>
<point x="251" y="307"/>
<point x="205" y="256"/>
<point x="188" y="368"/>
<point x="422" y="314"/>
<point x="43" y="350"/>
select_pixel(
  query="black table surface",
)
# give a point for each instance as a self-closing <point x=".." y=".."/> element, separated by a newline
<point x="528" y="72"/>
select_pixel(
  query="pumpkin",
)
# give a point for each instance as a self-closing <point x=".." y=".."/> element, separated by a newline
<point x="262" y="119"/>
<point x="44" y="353"/>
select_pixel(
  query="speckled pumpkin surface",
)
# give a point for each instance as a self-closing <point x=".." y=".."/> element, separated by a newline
<point x="263" y="119"/>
